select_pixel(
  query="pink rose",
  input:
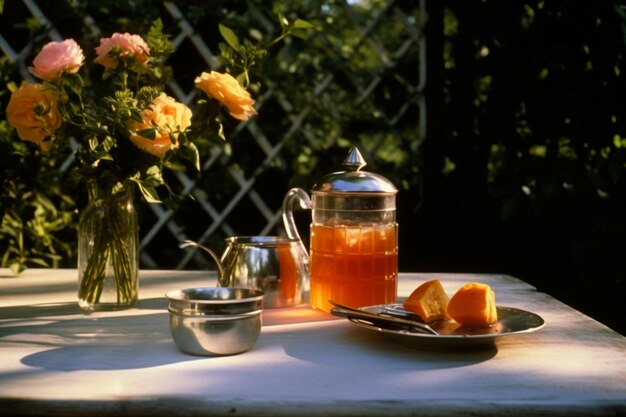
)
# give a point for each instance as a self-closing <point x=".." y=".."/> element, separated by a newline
<point x="122" y="46"/>
<point x="56" y="58"/>
<point x="225" y="89"/>
<point x="169" y="116"/>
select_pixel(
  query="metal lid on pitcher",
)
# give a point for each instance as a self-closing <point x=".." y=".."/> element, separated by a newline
<point x="353" y="180"/>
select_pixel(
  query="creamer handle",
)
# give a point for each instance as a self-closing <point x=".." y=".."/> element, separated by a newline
<point x="304" y="202"/>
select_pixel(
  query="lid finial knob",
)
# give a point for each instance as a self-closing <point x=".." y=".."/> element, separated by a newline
<point x="354" y="161"/>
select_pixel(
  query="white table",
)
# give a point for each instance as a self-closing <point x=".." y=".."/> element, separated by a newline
<point x="58" y="360"/>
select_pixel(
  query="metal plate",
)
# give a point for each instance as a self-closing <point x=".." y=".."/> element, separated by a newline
<point x="452" y="336"/>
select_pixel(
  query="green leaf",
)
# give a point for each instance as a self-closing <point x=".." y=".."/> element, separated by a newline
<point x="225" y="51"/>
<point x="154" y="174"/>
<point x="148" y="191"/>
<point x="192" y="153"/>
<point x="159" y="43"/>
<point x="17" y="268"/>
<point x="118" y="187"/>
<point x="242" y="79"/>
<point x="135" y="115"/>
<point x="74" y="82"/>
<point x="302" y="24"/>
<point x="172" y="137"/>
<point x="229" y="36"/>
<point x="147" y="133"/>
<point x="39" y="262"/>
<point x="300" y="33"/>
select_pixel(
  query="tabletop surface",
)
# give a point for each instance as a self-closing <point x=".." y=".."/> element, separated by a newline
<point x="58" y="360"/>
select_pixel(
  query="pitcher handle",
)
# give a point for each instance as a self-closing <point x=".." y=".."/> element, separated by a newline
<point x="302" y="198"/>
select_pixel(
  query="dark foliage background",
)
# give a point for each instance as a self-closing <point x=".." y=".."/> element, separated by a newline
<point x="532" y="121"/>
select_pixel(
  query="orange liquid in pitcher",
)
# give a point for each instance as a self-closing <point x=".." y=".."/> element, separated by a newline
<point x="355" y="266"/>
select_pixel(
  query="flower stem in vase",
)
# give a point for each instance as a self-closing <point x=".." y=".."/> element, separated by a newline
<point x="108" y="252"/>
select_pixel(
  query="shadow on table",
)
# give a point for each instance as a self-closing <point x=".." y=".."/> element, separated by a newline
<point x="352" y="347"/>
<point x="68" y="339"/>
<point x="39" y="310"/>
<point x="65" y="309"/>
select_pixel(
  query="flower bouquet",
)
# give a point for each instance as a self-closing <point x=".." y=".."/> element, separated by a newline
<point x="123" y="129"/>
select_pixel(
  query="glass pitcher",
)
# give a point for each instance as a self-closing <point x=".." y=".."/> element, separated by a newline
<point x="354" y="236"/>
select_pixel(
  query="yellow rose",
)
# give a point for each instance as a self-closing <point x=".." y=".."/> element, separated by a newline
<point x="225" y="89"/>
<point x="169" y="116"/>
<point x="33" y="112"/>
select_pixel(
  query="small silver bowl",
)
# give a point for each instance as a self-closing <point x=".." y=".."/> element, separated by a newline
<point x="215" y="321"/>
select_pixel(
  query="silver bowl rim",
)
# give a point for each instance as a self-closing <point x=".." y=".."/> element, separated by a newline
<point x="193" y="314"/>
<point x="180" y="295"/>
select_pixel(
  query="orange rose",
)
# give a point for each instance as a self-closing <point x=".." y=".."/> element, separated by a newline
<point x="56" y="58"/>
<point x="125" y="46"/>
<point x="33" y="112"/>
<point x="225" y="89"/>
<point x="169" y="116"/>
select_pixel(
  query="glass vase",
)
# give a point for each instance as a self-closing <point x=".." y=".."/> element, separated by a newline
<point x="108" y="251"/>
